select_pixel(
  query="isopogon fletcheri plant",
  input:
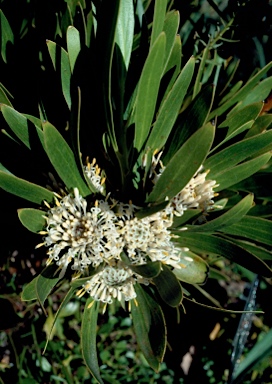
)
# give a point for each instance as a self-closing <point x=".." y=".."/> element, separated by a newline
<point x="151" y="179"/>
<point x="107" y="235"/>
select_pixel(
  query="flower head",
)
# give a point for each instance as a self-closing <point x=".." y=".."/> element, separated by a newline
<point x="113" y="282"/>
<point x="98" y="233"/>
<point x="86" y="237"/>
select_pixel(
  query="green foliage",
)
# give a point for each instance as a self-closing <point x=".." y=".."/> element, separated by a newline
<point x="88" y="338"/>
<point x="183" y="165"/>
<point x="148" y="320"/>
<point x="63" y="159"/>
<point x="150" y="130"/>
<point x="32" y="219"/>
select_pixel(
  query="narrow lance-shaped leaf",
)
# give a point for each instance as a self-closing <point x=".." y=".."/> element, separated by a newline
<point x="261" y="252"/>
<point x="63" y="160"/>
<point x="240" y="122"/>
<point x="242" y="93"/>
<point x="203" y="62"/>
<point x="3" y="96"/>
<point x="45" y="282"/>
<point x="168" y="287"/>
<point x="260" y="125"/>
<point x="234" y="121"/>
<point x="64" y="301"/>
<point x="236" y="153"/>
<point x="192" y="119"/>
<point x="20" y="125"/>
<point x="232" y="91"/>
<point x="4" y="169"/>
<point x="253" y="228"/>
<point x="183" y="165"/>
<point x="73" y="45"/>
<point x="228" y="218"/>
<point x="148" y="91"/>
<point x="241" y="172"/>
<point x="259" y="93"/>
<point x="173" y="64"/>
<point x="170" y="108"/>
<point x="32" y="219"/>
<point x="105" y="43"/>
<point x="149" y="325"/>
<point x="206" y="243"/>
<point x="158" y="20"/>
<point x="24" y="189"/>
<point x="61" y="64"/>
<point x="170" y="28"/>
<point x="88" y="338"/>
<point x="125" y="29"/>
<point x="6" y="35"/>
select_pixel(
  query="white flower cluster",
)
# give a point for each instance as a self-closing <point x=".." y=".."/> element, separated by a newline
<point x="82" y="235"/>
<point x="198" y="193"/>
<point x="93" y="172"/>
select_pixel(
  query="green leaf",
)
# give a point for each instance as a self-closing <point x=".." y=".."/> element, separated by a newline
<point x="125" y="29"/>
<point x="228" y="218"/>
<point x="19" y="124"/>
<point x="256" y="184"/>
<point x="204" y="243"/>
<point x="240" y="121"/>
<point x="105" y="43"/>
<point x="192" y="119"/>
<point x="194" y="270"/>
<point x="259" y="93"/>
<point x="148" y="91"/>
<point x="4" y="169"/>
<point x="253" y="228"/>
<point x="24" y="189"/>
<point x="232" y="92"/>
<point x="73" y="45"/>
<point x="63" y="160"/>
<point x="61" y="64"/>
<point x="170" y="108"/>
<point x="32" y="219"/>
<point x="186" y="217"/>
<point x="168" y="287"/>
<point x="63" y="303"/>
<point x="148" y="270"/>
<point x="261" y="349"/>
<point x="183" y="165"/>
<point x="6" y="35"/>
<point x="35" y="120"/>
<point x="258" y="251"/>
<point x="88" y="338"/>
<point x="29" y="291"/>
<point x="3" y="96"/>
<point x="173" y="65"/>
<point x="158" y="20"/>
<point x="242" y="93"/>
<point x="240" y="172"/>
<point x="170" y="28"/>
<point x="45" y="282"/>
<point x="203" y="62"/>
<point x="89" y="28"/>
<point x="260" y="125"/>
<point x="236" y="153"/>
<point x="149" y="326"/>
